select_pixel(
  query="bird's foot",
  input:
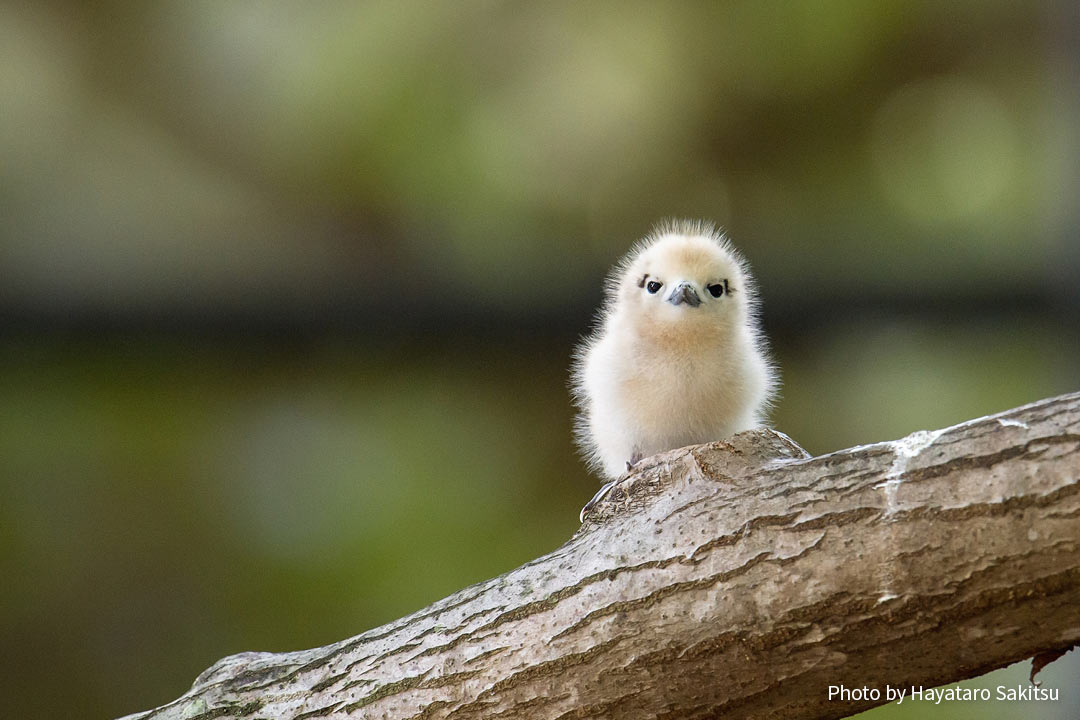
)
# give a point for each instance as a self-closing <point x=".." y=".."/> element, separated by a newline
<point x="635" y="458"/>
<point x="596" y="498"/>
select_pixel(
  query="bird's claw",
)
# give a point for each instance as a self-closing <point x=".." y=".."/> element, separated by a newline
<point x="595" y="499"/>
<point x="635" y="458"/>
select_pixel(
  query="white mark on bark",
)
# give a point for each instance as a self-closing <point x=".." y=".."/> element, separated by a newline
<point x="1009" y="422"/>
<point x="903" y="451"/>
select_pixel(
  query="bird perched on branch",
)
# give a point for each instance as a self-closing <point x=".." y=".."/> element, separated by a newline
<point x="677" y="357"/>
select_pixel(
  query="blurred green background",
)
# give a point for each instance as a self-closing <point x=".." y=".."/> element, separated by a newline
<point x="288" y="290"/>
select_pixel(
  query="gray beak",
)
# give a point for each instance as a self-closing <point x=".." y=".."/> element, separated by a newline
<point x="684" y="293"/>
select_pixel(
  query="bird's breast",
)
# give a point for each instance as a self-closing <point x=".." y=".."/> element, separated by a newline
<point x="675" y="394"/>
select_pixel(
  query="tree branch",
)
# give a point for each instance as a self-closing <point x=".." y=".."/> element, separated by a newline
<point x="738" y="578"/>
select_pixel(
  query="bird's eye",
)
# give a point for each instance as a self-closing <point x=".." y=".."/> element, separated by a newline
<point x="654" y="287"/>
<point x="716" y="289"/>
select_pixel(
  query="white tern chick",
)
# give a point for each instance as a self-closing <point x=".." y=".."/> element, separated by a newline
<point x="677" y="357"/>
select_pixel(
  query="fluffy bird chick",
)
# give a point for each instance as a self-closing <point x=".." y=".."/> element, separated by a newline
<point x="677" y="357"/>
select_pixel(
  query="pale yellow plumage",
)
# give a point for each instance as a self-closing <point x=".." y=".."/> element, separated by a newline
<point x="677" y="358"/>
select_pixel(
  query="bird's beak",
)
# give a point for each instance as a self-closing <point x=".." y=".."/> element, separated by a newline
<point x="684" y="293"/>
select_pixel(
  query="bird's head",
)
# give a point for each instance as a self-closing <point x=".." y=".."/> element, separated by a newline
<point x="685" y="275"/>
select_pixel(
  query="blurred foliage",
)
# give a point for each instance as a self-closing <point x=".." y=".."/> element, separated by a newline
<point x="288" y="291"/>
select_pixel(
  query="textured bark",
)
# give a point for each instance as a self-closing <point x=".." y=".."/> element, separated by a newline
<point x="736" y="579"/>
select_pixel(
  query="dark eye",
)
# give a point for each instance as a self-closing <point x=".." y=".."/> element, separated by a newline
<point x="716" y="290"/>
<point x="654" y="287"/>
